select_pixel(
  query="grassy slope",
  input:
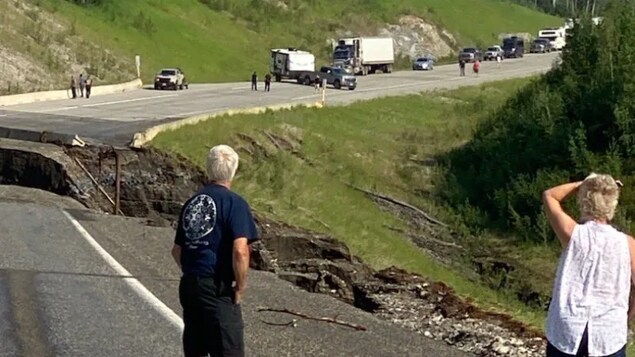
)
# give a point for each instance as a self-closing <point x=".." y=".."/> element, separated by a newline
<point x="220" y="46"/>
<point x="368" y="144"/>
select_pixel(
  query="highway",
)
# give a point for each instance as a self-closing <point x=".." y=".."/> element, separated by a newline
<point x="78" y="283"/>
<point x="115" y="118"/>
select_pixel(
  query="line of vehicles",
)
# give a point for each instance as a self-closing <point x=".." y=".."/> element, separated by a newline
<point x="549" y="39"/>
<point x="367" y="55"/>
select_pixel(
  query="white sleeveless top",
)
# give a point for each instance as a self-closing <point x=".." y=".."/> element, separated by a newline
<point x="592" y="287"/>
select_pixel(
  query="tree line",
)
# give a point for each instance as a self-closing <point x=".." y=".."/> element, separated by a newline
<point x="567" y="8"/>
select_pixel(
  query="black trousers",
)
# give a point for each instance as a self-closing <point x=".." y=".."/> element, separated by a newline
<point x="213" y="323"/>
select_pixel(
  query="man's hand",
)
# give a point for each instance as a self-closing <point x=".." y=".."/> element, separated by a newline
<point x="238" y="295"/>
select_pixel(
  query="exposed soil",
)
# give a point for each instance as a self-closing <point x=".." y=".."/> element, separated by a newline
<point x="154" y="185"/>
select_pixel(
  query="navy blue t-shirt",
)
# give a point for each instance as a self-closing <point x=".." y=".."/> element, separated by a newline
<point x="209" y="223"/>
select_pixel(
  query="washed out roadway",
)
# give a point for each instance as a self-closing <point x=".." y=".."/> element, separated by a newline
<point x="58" y="297"/>
<point x="115" y="118"/>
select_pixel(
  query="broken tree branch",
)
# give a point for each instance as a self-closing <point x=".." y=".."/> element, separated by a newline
<point x="400" y="203"/>
<point x="308" y="317"/>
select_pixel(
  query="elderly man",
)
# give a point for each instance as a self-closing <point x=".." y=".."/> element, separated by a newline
<point x="212" y="249"/>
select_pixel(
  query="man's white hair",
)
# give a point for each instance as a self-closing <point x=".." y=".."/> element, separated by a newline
<point x="222" y="163"/>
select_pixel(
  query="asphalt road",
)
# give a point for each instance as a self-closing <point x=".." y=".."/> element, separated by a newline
<point x="59" y="297"/>
<point x="115" y="118"/>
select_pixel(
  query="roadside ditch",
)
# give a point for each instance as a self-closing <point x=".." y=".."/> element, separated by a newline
<point x="153" y="185"/>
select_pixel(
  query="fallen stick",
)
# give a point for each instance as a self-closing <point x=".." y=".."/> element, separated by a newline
<point x="400" y="203"/>
<point x="307" y="317"/>
<point x="97" y="184"/>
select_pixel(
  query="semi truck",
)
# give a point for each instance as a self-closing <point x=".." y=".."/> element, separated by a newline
<point x="364" y="55"/>
<point x="557" y="36"/>
<point x="291" y="63"/>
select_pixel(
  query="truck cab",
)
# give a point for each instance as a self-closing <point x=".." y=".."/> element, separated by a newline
<point x="338" y="77"/>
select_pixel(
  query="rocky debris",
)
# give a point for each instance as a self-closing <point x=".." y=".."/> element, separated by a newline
<point x="155" y="184"/>
<point x="414" y="36"/>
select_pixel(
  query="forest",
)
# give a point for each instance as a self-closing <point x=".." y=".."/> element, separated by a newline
<point x="568" y="8"/>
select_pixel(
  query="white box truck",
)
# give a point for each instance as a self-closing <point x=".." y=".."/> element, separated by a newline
<point x="291" y="63"/>
<point x="363" y="55"/>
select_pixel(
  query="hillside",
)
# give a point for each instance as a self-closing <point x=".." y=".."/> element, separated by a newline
<point x="44" y="41"/>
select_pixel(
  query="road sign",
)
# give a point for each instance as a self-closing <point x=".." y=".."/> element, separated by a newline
<point x="137" y="61"/>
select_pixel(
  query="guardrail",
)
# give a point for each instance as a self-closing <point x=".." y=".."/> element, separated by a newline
<point x="26" y="98"/>
<point x="142" y="138"/>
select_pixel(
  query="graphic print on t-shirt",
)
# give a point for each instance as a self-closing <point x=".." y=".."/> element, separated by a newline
<point x="199" y="220"/>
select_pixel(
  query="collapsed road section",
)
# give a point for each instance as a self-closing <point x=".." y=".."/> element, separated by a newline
<point x="151" y="184"/>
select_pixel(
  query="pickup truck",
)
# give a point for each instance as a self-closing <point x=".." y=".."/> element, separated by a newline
<point x="336" y="76"/>
<point x="493" y="52"/>
<point x="172" y="78"/>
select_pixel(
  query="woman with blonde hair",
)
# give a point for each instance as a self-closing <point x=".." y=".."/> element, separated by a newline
<point x="589" y="310"/>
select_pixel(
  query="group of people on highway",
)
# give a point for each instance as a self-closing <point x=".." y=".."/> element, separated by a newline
<point x="254" y="81"/>
<point x="476" y="66"/>
<point x="85" y="85"/>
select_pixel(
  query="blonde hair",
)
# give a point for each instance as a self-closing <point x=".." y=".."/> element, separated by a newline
<point x="597" y="197"/>
<point x="222" y="163"/>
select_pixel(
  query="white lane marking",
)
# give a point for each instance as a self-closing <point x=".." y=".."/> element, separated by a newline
<point x="243" y="88"/>
<point x="130" y="100"/>
<point x="4" y="115"/>
<point x="135" y="284"/>
<point x="100" y="104"/>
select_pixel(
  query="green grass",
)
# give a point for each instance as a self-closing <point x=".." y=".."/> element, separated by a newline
<point x="368" y="144"/>
<point x="229" y="42"/>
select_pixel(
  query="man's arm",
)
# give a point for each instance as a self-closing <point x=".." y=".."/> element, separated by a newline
<point x="241" y="267"/>
<point x="561" y="222"/>
<point x="176" y="254"/>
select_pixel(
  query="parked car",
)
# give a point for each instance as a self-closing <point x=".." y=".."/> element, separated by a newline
<point x="470" y="54"/>
<point x="541" y="45"/>
<point x="493" y="52"/>
<point x="170" y="78"/>
<point x="423" y="64"/>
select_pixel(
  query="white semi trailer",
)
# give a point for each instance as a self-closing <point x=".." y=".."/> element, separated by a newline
<point x="291" y="63"/>
<point x="363" y="55"/>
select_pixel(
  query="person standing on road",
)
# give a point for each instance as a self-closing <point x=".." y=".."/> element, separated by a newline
<point x="211" y="247"/>
<point x="267" y="82"/>
<point x="476" y="67"/>
<point x="82" y="84"/>
<point x="89" y="86"/>
<point x="254" y="81"/>
<point x="589" y="311"/>
<point x="498" y="61"/>
<point x="317" y="82"/>
<point x="461" y="68"/>
<point x="73" y="87"/>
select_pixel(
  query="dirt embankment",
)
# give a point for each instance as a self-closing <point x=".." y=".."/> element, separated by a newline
<point x="154" y="185"/>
